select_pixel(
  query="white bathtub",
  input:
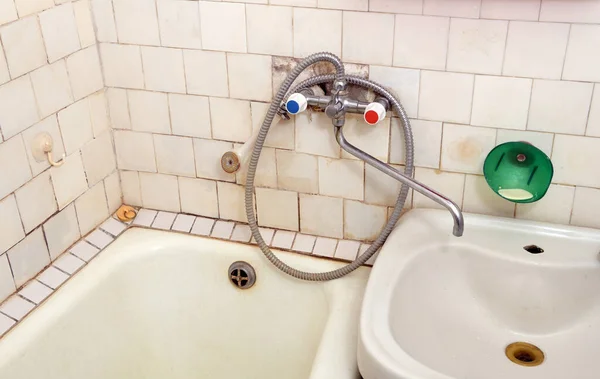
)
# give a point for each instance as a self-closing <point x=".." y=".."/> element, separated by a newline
<point x="159" y="305"/>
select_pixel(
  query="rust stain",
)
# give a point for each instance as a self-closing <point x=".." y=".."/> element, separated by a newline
<point x="466" y="150"/>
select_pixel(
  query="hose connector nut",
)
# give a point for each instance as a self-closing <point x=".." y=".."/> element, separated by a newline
<point x="339" y="85"/>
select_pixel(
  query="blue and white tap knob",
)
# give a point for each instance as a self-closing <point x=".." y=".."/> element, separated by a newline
<point x="296" y="103"/>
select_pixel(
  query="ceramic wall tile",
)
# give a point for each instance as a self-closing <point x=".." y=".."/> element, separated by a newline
<point x="91" y="208"/>
<point x="136" y="21"/>
<point x="321" y="215"/>
<point x="464" y="148"/>
<point x="23" y="46"/>
<point x="587" y="201"/>
<point x="527" y="10"/>
<point x="421" y="42"/>
<point x="535" y="49"/>
<point x="36" y="201"/>
<point x="59" y="29"/>
<point x="199" y="197"/>
<point x="179" y="24"/>
<point x="476" y="46"/>
<point x="163" y="69"/>
<point x="190" y="115"/>
<point x="206" y="73"/>
<point x="277" y="209"/>
<point x="358" y="46"/>
<point x="501" y="102"/>
<point x="458" y="8"/>
<point x="249" y="76"/>
<point x="223" y="26"/>
<point x="363" y="221"/>
<point x="559" y="106"/>
<point x="261" y="23"/>
<point x="174" y="155"/>
<point x="14" y="168"/>
<point x="328" y="22"/>
<point x="446" y="96"/>
<point x="160" y="191"/>
<point x="574" y="160"/>
<point x="18" y="109"/>
<point x="11" y="229"/>
<point x="28" y="257"/>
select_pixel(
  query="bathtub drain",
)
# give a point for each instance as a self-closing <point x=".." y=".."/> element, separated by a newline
<point x="242" y="275"/>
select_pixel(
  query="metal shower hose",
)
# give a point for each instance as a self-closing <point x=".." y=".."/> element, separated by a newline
<point x="273" y="108"/>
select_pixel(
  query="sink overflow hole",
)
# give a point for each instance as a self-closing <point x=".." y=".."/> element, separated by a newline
<point x="242" y="275"/>
<point x="533" y="249"/>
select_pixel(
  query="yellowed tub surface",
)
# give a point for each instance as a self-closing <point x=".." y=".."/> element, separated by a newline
<point x="158" y="305"/>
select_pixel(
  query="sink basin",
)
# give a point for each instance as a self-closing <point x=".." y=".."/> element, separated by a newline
<point x="441" y="307"/>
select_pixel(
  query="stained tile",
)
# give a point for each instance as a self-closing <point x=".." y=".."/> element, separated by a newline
<point x="183" y="223"/>
<point x="35" y="292"/>
<point x="203" y="226"/>
<point x="16" y="307"/>
<point x="283" y="239"/>
<point x="98" y="238"/>
<point x="164" y="220"/>
<point x="52" y="277"/>
<point x="84" y="250"/>
<point x="68" y="263"/>
<point x="222" y="229"/>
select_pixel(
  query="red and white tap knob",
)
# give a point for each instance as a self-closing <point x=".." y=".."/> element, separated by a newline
<point x="374" y="113"/>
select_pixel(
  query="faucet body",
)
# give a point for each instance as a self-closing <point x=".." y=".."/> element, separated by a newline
<point x="335" y="107"/>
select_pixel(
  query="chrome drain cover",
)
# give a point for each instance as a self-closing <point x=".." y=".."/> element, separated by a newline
<point x="242" y="275"/>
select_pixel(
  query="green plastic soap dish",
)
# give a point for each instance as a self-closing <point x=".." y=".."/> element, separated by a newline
<point x="518" y="172"/>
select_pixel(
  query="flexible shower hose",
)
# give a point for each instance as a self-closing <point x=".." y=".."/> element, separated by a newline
<point x="273" y="108"/>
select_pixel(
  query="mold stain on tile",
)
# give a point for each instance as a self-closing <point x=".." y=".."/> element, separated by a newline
<point x="466" y="150"/>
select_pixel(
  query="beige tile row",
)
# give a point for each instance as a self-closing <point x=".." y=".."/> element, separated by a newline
<point x="339" y="217"/>
<point x="567" y="107"/>
<point x="35" y="39"/>
<point x="530" y="10"/>
<point x="346" y="250"/>
<point x="50" y="82"/>
<point x="33" y="234"/>
<point x="81" y="131"/>
<point x="35" y="289"/>
<point x="450" y="147"/>
<point x="512" y="48"/>
<point x="51" y="88"/>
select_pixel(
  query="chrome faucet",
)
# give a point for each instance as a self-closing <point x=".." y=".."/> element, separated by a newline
<point x="336" y="106"/>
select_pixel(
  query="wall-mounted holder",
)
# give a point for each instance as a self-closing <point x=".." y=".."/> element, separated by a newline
<point x="234" y="160"/>
<point x="41" y="149"/>
<point x="518" y="172"/>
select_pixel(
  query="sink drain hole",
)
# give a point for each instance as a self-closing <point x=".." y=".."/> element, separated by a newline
<point x="525" y="354"/>
<point x="242" y="275"/>
<point x="533" y="249"/>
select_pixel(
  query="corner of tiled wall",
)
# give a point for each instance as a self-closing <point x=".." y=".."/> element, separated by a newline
<point x="51" y="81"/>
<point x="189" y="80"/>
<point x="180" y="82"/>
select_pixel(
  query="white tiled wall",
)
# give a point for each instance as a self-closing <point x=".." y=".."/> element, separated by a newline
<point x="50" y="81"/>
<point x="180" y="82"/>
<point x="188" y="80"/>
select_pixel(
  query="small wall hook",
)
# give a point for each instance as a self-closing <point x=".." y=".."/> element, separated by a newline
<point x="42" y="149"/>
<point x="52" y="162"/>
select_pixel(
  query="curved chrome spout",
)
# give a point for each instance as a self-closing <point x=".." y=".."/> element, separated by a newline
<point x="459" y="223"/>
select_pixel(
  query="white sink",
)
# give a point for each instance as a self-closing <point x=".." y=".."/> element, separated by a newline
<point x="441" y="307"/>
